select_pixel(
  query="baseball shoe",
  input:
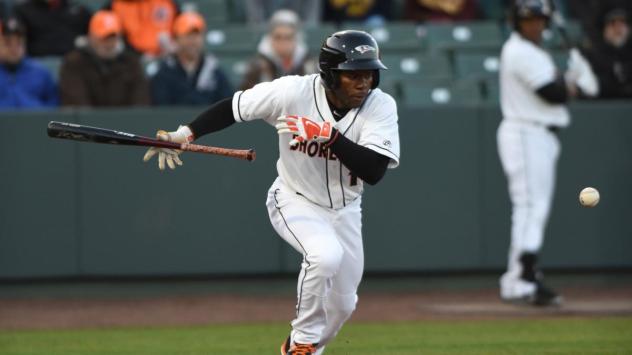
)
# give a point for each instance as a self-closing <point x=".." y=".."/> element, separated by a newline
<point x="545" y="296"/>
<point x="298" y="349"/>
<point x="285" y="347"/>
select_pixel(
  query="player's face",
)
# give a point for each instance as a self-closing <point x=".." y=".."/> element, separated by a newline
<point x="106" y="47"/>
<point x="354" y="87"/>
<point x="283" y="41"/>
<point x="532" y="28"/>
<point x="13" y="48"/>
<point x="617" y="32"/>
<point x="190" y="44"/>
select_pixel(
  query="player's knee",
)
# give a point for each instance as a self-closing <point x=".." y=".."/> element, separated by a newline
<point x="327" y="262"/>
<point x="348" y="305"/>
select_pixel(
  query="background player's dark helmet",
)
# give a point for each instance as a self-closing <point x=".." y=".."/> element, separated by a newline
<point x="349" y="50"/>
<point x="523" y="9"/>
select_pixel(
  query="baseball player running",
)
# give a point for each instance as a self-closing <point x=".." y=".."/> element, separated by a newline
<point x="337" y="130"/>
<point x="533" y="97"/>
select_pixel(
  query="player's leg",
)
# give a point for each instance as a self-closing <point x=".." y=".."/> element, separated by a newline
<point x="529" y="155"/>
<point x="307" y="228"/>
<point x="342" y="298"/>
<point x="542" y="155"/>
<point x="512" y="151"/>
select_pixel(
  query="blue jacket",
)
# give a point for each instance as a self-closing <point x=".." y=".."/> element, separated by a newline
<point x="29" y="86"/>
<point x="172" y="86"/>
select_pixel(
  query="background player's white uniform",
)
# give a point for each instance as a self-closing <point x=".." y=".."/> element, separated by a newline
<point x="528" y="150"/>
<point x="314" y="204"/>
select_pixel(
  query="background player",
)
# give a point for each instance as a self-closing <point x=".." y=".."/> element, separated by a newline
<point x="336" y="131"/>
<point x="533" y="94"/>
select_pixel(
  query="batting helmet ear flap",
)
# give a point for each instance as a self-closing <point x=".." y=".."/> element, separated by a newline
<point x="376" y="79"/>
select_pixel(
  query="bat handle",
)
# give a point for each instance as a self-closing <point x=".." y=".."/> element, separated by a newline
<point x="246" y="154"/>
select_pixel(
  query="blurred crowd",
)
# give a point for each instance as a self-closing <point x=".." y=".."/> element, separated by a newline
<point x="105" y="49"/>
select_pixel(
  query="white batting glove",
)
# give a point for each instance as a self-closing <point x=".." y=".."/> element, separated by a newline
<point x="304" y="129"/>
<point x="170" y="156"/>
<point x="580" y="74"/>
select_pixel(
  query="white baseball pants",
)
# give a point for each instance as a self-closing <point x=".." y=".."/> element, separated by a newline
<point x="333" y="260"/>
<point x="528" y="153"/>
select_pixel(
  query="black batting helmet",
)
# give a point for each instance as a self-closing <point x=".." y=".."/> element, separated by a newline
<point x="349" y="50"/>
<point x="523" y="9"/>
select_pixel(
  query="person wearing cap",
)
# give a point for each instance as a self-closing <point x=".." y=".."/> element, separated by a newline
<point x="52" y="25"/>
<point x="103" y="73"/>
<point x="282" y="51"/>
<point x="611" y="57"/>
<point x="189" y="77"/>
<point x="23" y="82"/>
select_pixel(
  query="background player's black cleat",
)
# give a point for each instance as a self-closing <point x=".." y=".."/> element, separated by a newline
<point x="545" y="296"/>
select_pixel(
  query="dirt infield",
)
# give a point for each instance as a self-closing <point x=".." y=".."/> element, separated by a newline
<point x="73" y="310"/>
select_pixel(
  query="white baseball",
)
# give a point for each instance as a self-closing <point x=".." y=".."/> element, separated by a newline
<point x="589" y="197"/>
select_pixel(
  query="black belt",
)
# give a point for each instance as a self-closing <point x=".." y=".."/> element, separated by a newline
<point x="554" y="129"/>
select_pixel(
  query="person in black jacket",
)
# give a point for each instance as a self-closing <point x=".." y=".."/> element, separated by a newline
<point x="52" y="25"/>
<point x="188" y="77"/>
<point x="611" y="57"/>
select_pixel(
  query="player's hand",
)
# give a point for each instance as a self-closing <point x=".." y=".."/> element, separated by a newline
<point x="304" y="129"/>
<point x="580" y="74"/>
<point x="169" y="156"/>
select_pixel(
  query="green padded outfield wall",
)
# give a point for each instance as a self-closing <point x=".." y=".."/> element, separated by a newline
<point x="80" y="209"/>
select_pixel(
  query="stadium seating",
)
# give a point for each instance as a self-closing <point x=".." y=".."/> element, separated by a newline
<point x="423" y="94"/>
<point x="416" y="68"/>
<point x="214" y="11"/>
<point x="234" y="66"/>
<point x="52" y="64"/>
<point x="231" y="40"/>
<point x="477" y="65"/>
<point x="314" y="36"/>
<point x="394" y="37"/>
<point x="479" y="35"/>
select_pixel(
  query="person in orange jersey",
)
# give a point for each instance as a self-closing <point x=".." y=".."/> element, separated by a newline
<point x="146" y="24"/>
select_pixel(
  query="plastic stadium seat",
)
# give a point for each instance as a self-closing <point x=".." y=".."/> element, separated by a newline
<point x="213" y="11"/>
<point x="422" y="94"/>
<point x="416" y="68"/>
<point x="401" y="37"/>
<point x="314" y="36"/>
<point x="491" y="91"/>
<point x="235" y="68"/>
<point x="478" y="35"/>
<point x="551" y="37"/>
<point x="477" y="65"/>
<point x="52" y="64"/>
<point x="232" y="39"/>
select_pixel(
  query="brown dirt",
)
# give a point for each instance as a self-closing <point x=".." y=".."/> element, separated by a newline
<point x="226" y="308"/>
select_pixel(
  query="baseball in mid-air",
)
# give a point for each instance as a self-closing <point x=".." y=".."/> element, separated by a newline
<point x="589" y="197"/>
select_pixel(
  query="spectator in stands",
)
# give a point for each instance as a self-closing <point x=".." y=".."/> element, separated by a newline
<point x="146" y="24"/>
<point x="442" y="10"/>
<point x="259" y="11"/>
<point x="52" y="25"/>
<point x="23" y="82"/>
<point x="591" y="14"/>
<point x="370" y="12"/>
<point x="103" y="73"/>
<point x="611" y="57"/>
<point x="188" y="77"/>
<point x="282" y="51"/>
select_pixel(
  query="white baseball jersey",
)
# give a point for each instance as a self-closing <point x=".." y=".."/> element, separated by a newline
<point x="525" y="68"/>
<point x="310" y="168"/>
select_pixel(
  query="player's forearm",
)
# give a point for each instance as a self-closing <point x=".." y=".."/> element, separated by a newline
<point x="215" y="118"/>
<point x="555" y="92"/>
<point x="363" y="162"/>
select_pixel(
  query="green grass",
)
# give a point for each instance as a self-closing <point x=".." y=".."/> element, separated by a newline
<point x="552" y="336"/>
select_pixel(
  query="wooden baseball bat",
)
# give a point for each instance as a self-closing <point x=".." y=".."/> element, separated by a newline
<point x="83" y="133"/>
